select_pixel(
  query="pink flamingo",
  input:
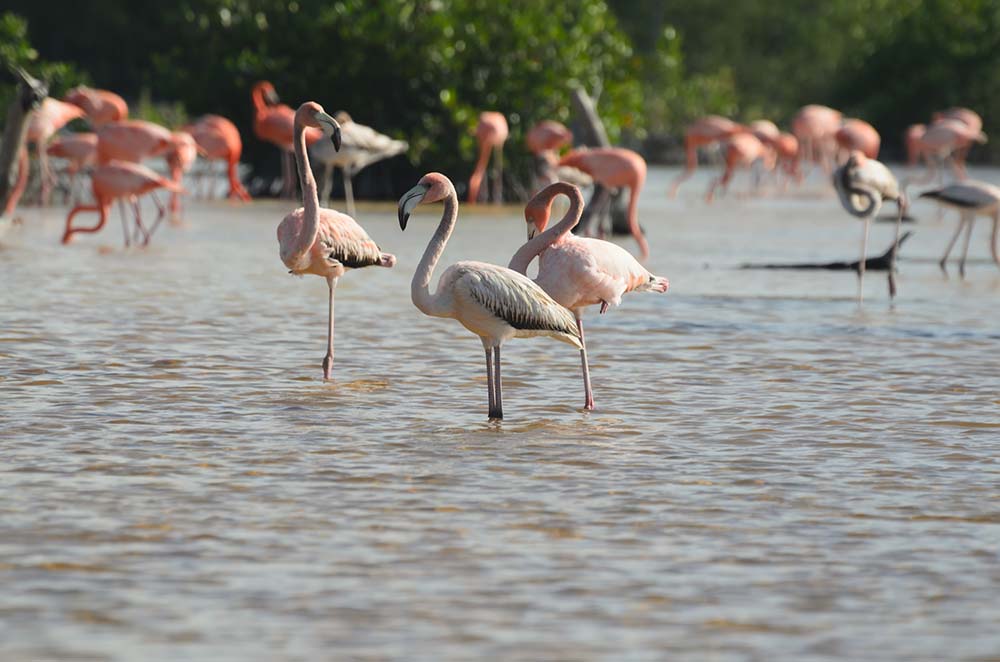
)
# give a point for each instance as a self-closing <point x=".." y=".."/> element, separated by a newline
<point x="703" y="132"/>
<point x="858" y="135"/>
<point x="575" y="271"/>
<point x="742" y="151"/>
<point x="614" y="167"/>
<point x="971" y="199"/>
<point x="786" y="149"/>
<point x="947" y="139"/>
<point x="80" y="152"/>
<point x="814" y="127"/>
<point x="491" y="134"/>
<point x="493" y="302"/>
<point x="218" y="139"/>
<point x="544" y="140"/>
<point x="120" y="180"/>
<point x="911" y="139"/>
<point x="274" y="122"/>
<point x="100" y="106"/>
<point x="51" y="116"/>
<point x="319" y="241"/>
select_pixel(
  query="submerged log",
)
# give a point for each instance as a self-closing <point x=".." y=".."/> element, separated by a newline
<point x="880" y="263"/>
<point x="30" y="94"/>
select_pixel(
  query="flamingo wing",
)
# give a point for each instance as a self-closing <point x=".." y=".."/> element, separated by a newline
<point x="967" y="195"/>
<point x="343" y="240"/>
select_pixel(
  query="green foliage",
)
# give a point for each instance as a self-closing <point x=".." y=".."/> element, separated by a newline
<point x="16" y="51"/>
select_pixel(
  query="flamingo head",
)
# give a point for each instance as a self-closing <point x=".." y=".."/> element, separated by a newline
<point x="539" y="209"/>
<point x="432" y="187"/>
<point x="311" y="114"/>
<point x="267" y="91"/>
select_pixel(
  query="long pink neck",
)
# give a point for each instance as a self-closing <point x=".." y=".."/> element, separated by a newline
<point x="476" y="180"/>
<point x="257" y="97"/>
<point x="310" y="200"/>
<point x="420" y="290"/>
<point x="526" y="253"/>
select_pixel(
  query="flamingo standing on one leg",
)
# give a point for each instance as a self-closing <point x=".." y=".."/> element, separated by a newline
<point x="703" y="132"/>
<point x="100" y="106"/>
<point x="742" y="151"/>
<point x="863" y="180"/>
<point x="274" y="122"/>
<point x="575" y="271"/>
<point x="51" y="116"/>
<point x="218" y="139"/>
<point x="319" y="241"/>
<point x="491" y="133"/>
<point x="614" y="167"/>
<point x="80" y="152"/>
<point x="971" y="198"/>
<point x="119" y="180"/>
<point x="360" y="147"/>
<point x="858" y="135"/>
<point x="493" y="302"/>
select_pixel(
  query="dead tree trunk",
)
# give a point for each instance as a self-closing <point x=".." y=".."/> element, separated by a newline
<point x="30" y="93"/>
<point x="879" y="263"/>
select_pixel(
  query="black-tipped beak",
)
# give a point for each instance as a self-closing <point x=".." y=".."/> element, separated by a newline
<point x="272" y="98"/>
<point x="410" y="199"/>
<point x="330" y="127"/>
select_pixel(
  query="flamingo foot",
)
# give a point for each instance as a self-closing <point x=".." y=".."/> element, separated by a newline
<point x="328" y="367"/>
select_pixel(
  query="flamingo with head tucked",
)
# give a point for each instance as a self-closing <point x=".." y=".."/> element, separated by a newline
<point x="491" y="134"/>
<point x="323" y="242"/>
<point x="576" y="271"/>
<point x="493" y="302"/>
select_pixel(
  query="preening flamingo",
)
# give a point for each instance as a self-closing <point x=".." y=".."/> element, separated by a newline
<point x="120" y="180"/>
<point x="576" y="271"/>
<point x="319" y="241"/>
<point x="100" y="106"/>
<point x="274" y="122"/>
<point x="493" y="302"/>
<point x="614" y="167"/>
<point x="218" y="139"/>
<point x="360" y="147"/>
<point x="742" y="150"/>
<point x="858" y="135"/>
<point x="491" y="134"/>
<point x="703" y="132"/>
<point x="862" y="185"/>
<point x="971" y="198"/>
<point x="45" y="121"/>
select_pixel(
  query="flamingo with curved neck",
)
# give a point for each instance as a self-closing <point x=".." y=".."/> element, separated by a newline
<point x="493" y="302"/>
<point x="319" y="241"/>
<point x="577" y="271"/>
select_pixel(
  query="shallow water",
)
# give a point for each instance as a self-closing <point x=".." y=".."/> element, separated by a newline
<point x="772" y="472"/>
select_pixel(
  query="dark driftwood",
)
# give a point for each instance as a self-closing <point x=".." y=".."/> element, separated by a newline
<point x="30" y="93"/>
<point x="880" y="263"/>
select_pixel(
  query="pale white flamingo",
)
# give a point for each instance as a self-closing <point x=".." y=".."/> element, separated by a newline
<point x="319" y="241"/>
<point x="577" y="271"/>
<point x="862" y="185"/>
<point x="360" y="147"/>
<point x="971" y="198"/>
<point x="495" y="303"/>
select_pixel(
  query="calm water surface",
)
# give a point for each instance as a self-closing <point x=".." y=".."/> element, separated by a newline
<point x="772" y="472"/>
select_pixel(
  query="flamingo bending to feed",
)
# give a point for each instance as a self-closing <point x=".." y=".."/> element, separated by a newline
<point x="360" y="147"/>
<point x="614" y="167"/>
<point x="576" y="271"/>
<point x="971" y="198"/>
<point x="274" y="122"/>
<point x="493" y="302"/>
<point x="491" y="134"/>
<point x="863" y="180"/>
<point x="742" y="151"/>
<point x="703" y="132"/>
<point x="319" y="241"/>
<point x="218" y="139"/>
<point x="120" y="180"/>
<point x="100" y="106"/>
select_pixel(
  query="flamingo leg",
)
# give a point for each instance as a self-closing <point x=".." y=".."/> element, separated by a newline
<point x="349" y="190"/>
<point x="121" y="211"/>
<point x="861" y="262"/>
<point x="497" y="412"/>
<point x="159" y="217"/>
<point x="965" y="248"/>
<point x="901" y="208"/>
<point x="996" y="235"/>
<point x="328" y="359"/>
<point x="497" y="186"/>
<point x="140" y="229"/>
<point x="327" y="185"/>
<point x="489" y="378"/>
<point x="947" y="251"/>
<point x="588" y="394"/>
<point x="45" y="172"/>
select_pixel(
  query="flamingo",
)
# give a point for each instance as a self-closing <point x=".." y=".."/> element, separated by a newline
<point x="320" y="241"/>
<point x="742" y="151"/>
<point x="493" y="302"/>
<point x="80" y="152"/>
<point x="575" y="271"/>
<point x="971" y="198"/>
<point x="863" y="179"/>
<point x="218" y="139"/>
<point x="118" y="180"/>
<point x="814" y="127"/>
<point x="703" y="132"/>
<point x="544" y="140"/>
<point x="786" y="149"/>
<point x="947" y="138"/>
<point x="614" y="167"/>
<point x="491" y="133"/>
<point x="274" y="122"/>
<point x="857" y="134"/>
<point x="51" y="116"/>
<point x="361" y="146"/>
<point x="911" y="138"/>
<point x="100" y="106"/>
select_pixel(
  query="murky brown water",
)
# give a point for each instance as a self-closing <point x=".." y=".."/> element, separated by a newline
<point x="772" y="473"/>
